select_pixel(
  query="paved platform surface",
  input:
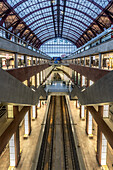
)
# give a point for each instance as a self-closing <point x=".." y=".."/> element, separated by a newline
<point x="87" y="145"/>
<point x="29" y="145"/>
<point x="28" y="153"/>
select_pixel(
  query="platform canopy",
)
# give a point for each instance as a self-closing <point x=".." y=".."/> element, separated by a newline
<point x="40" y="20"/>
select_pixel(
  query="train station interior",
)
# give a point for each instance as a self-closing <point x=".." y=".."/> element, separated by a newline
<point x="56" y="85"/>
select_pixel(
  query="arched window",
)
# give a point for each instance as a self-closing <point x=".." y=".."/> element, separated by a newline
<point x="58" y="47"/>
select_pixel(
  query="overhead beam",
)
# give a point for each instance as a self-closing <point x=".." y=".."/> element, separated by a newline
<point x="102" y="124"/>
<point x="63" y="16"/>
<point x="58" y="14"/>
<point x="53" y="18"/>
<point x="11" y="129"/>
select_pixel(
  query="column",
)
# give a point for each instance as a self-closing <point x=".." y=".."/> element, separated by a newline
<point x="77" y="78"/>
<point x="89" y="124"/>
<point x="77" y="104"/>
<point x="27" y="122"/>
<point x="40" y="78"/>
<point x="16" y="60"/>
<point x="36" y="80"/>
<point x="46" y="73"/>
<point x="43" y="75"/>
<point x="84" y="61"/>
<point x="80" y="61"/>
<point x="14" y="149"/>
<point x="80" y="80"/>
<point x="83" y="81"/>
<point x="25" y="60"/>
<point x="39" y="104"/>
<point x="89" y="61"/>
<point x="34" y="112"/>
<point x="28" y="82"/>
<point x="88" y="82"/>
<point x="39" y="61"/>
<point x="32" y="61"/>
<point x="101" y="148"/>
<point x="82" y="112"/>
<point x="101" y="140"/>
<point x="33" y="80"/>
<point x="100" y="60"/>
<point x="10" y="112"/>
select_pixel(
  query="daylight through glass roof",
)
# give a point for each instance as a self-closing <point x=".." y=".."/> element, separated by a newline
<point x="60" y="18"/>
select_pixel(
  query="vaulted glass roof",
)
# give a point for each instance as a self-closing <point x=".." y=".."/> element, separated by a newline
<point x="60" y="18"/>
<point x="58" y="47"/>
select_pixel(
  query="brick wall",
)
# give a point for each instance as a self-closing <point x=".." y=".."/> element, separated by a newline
<point x="25" y="73"/>
<point x="93" y="74"/>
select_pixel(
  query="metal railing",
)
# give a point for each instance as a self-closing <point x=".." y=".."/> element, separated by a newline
<point x="99" y="39"/>
<point x="16" y="39"/>
<point x="2" y="111"/>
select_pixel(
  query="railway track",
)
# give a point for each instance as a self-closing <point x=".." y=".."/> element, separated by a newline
<point x="58" y="150"/>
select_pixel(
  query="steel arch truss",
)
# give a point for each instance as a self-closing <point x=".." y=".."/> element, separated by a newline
<point x="37" y="21"/>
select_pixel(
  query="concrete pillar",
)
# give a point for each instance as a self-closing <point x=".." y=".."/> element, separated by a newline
<point x="89" y="124"/>
<point x="88" y="82"/>
<point x="80" y="61"/>
<point x="34" y="112"/>
<point x="39" y="77"/>
<point x="101" y="140"/>
<point x="39" y="104"/>
<point x="16" y="60"/>
<point x="27" y="122"/>
<point x="89" y="61"/>
<point x="25" y="59"/>
<point x="43" y="75"/>
<point x="77" y="78"/>
<point x="28" y="82"/>
<point x="84" y="61"/>
<point x="80" y="80"/>
<point x="101" y="147"/>
<point x="82" y="112"/>
<point x="36" y="61"/>
<point x="32" y="61"/>
<point x="33" y="80"/>
<point x="100" y="60"/>
<point x="46" y="73"/>
<point x="83" y="81"/>
<point x="14" y="149"/>
<point x="36" y="80"/>
<point x="10" y="112"/>
<point x="77" y="104"/>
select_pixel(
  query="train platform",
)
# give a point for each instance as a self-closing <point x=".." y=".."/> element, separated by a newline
<point x="28" y="146"/>
<point x="87" y="145"/>
<point x="28" y="154"/>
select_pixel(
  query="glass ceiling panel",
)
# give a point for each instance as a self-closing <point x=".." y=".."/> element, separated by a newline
<point x="46" y="17"/>
<point x="58" y="47"/>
